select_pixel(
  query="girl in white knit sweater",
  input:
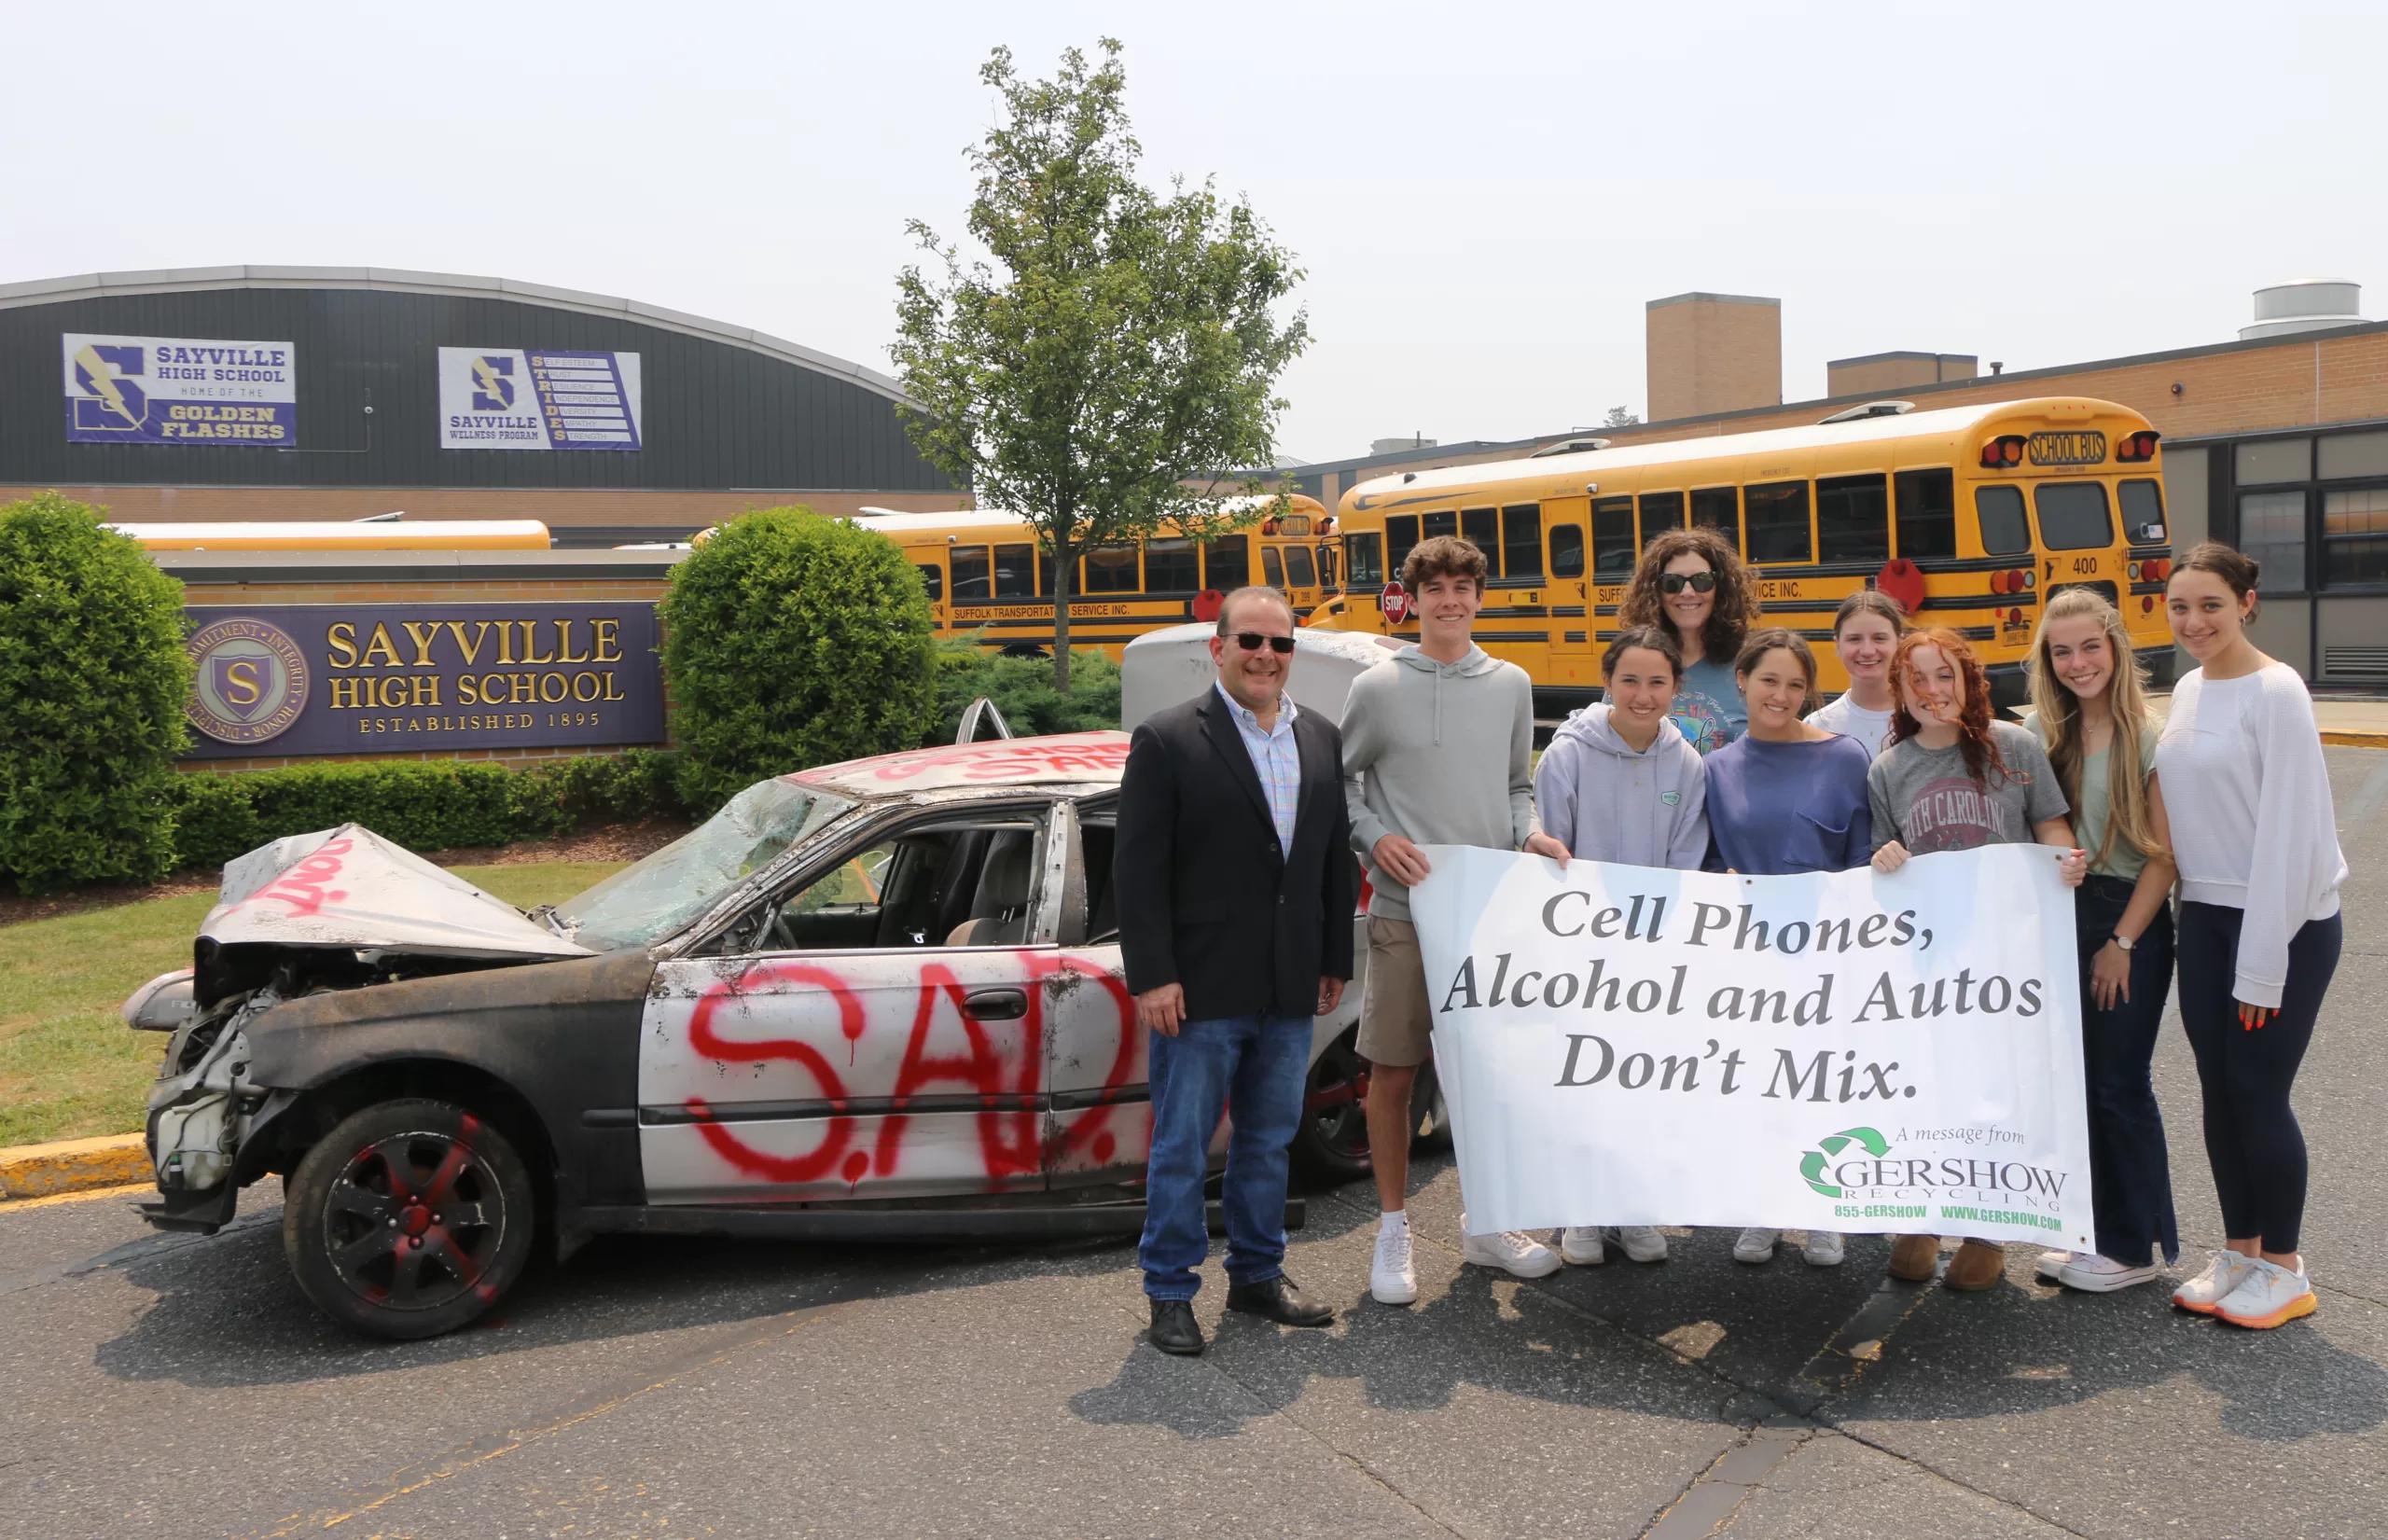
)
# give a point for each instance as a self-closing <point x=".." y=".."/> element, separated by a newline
<point x="2256" y="841"/>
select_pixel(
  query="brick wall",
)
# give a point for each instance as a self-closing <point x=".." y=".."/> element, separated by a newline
<point x="1712" y="353"/>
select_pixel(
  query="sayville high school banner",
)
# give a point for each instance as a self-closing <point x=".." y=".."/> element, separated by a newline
<point x="1839" y="1051"/>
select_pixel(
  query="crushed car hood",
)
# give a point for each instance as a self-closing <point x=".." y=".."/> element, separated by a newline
<point x="349" y="887"/>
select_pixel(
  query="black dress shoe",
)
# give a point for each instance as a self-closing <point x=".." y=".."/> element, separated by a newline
<point x="1174" y="1328"/>
<point x="1280" y="1301"/>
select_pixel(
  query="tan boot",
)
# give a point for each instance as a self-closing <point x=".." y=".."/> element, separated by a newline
<point x="1914" y="1256"/>
<point x="1978" y="1264"/>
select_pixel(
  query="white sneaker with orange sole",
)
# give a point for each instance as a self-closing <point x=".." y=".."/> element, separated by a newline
<point x="2222" y="1275"/>
<point x="2270" y="1295"/>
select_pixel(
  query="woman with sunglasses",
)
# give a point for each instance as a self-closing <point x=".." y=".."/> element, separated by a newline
<point x="1692" y="584"/>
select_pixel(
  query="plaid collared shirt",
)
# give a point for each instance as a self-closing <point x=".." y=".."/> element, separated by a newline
<point x="1276" y="759"/>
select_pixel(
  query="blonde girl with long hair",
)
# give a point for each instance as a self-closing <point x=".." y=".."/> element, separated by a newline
<point x="2089" y="703"/>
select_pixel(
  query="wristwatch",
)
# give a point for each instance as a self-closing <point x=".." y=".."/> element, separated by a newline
<point x="2121" y="940"/>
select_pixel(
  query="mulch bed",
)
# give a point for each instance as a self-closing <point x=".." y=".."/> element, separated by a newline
<point x="616" y="842"/>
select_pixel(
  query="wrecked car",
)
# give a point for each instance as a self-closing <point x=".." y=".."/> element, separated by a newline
<point x="875" y="1000"/>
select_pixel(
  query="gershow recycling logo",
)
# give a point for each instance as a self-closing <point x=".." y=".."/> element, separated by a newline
<point x="1812" y="1164"/>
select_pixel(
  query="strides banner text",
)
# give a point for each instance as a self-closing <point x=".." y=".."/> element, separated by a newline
<point x="1839" y="1050"/>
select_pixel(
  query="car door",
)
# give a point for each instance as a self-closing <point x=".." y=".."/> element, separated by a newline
<point x="1100" y="1124"/>
<point x="871" y="1029"/>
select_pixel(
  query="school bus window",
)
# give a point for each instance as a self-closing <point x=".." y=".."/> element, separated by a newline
<point x="1612" y="539"/>
<point x="1111" y="569"/>
<point x="1446" y="522"/>
<point x="1015" y="572"/>
<point x="1660" y="511"/>
<point x="1298" y="568"/>
<point x="1326" y="554"/>
<point x="1927" y="514"/>
<point x="2073" y="515"/>
<point x="1401" y="536"/>
<point x="1521" y="540"/>
<point x="1482" y="528"/>
<point x="1853" y="518"/>
<point x="1365" y="555"/>
<point x="1272" y="567"/>
<point x="1718" y="508"/>
<point x="1779" y="523"/>
<point x="1227" y="562"/>
<point x="1566" y="551"/>
<point x="970" y="572"/>
<point x="2142" y="505"/>
<point x="2000" y="512"/>
<point x="1169" y="567"/>
<point x="1044" y="573"/>
<point x="932" y="580"/>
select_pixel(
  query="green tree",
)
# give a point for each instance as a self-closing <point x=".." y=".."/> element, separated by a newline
<point x="792" y="639"/>
<point x="1119" y="350"/>
<point x="93" y="681"/>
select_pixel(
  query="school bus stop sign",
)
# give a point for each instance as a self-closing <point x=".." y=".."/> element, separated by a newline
<point x="1902" y="580"/>
<point x="1395" y="602"/>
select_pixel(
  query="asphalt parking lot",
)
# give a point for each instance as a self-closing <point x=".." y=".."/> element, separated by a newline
<point x="172" y="1385"/>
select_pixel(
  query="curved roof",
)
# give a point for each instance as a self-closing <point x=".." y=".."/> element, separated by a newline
<point x="93" y="285"/>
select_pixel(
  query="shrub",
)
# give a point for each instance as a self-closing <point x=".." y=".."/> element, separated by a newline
<point x="792" y="639"/>
<point x="93" y="679"/>
<point x="1023" y="689"/>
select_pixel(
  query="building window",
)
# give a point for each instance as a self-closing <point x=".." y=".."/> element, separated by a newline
<point x="932" y="580"/>
<point x="1718" y="508"/>
<point x="1227" y="564"/>
<point x="1365" y="555"/>
<point x="1521" y="540"/>
<point x="970" y="570"/>
<point x="2355" y="536"/>
<point x="2272" y="529"/>
<point x="1779" y="523"/>
<point x="1169" y="567"/>
<point x="1482" y="528"/>
<point x="1927" y="515"/>
<point x="1016" y="572"/>
<point x="1400" y="539"/>
<point x="1854" y="519"/>
<point x="1298" y="568"/>
<point x="1612" y="539"/>
<point x="1661" y="511"/>
<point x="1566" y="551"/>
<point x="2004" y="532"/>
<point x="1111" y="569"/>
<point x="2073" y="515"/>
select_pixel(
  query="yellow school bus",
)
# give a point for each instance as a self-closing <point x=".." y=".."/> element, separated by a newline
<point x="984" y="573"/>
<point x="1970" y="515"/>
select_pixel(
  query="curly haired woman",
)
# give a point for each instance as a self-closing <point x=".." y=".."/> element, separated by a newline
<point x="1692" y="584"/>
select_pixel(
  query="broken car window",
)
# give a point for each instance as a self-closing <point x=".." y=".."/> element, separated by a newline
<point x="644" y="903"/>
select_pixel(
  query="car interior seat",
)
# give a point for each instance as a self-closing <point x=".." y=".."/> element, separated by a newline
<point x="999" y="909"/>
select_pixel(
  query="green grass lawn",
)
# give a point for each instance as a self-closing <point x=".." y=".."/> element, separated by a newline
<point x="69" y="1067"/>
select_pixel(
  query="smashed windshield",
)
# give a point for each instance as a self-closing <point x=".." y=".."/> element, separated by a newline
<point x="642" y="903"/>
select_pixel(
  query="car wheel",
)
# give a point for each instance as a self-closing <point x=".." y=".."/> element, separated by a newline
<point x="409" y="1219"/>
<point x="1331" y="1144"/>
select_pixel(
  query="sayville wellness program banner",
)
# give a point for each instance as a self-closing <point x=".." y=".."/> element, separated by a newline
<point x="1835" y="1050"/>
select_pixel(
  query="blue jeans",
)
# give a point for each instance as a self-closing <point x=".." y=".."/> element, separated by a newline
<point x="1257" y="1064"/>
<point x="2131" y="1174"/>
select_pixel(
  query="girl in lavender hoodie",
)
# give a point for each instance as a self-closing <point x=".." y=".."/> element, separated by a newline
<point x="1620" y="782"/>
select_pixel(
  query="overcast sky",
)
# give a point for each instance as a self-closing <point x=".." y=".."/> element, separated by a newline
<point x="1483" y="196"/>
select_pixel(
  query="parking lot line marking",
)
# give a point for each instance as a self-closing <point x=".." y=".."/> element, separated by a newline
<point x="481" y="1451"/>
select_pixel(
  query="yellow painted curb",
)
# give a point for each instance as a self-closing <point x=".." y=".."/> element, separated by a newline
<point x="2356" y="740"/>
<point x="38" y="1170"/>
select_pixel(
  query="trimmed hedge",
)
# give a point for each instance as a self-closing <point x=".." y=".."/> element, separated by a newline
<point x="423" y="805"/>
<point x="1023" y="689"/>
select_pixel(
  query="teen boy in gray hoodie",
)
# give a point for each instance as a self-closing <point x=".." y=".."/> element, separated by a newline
<point x="1438" y="749"/>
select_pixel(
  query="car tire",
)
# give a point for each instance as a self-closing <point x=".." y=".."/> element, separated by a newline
<point x="1331" y="1143"/>
<point x="444" y="1194"/>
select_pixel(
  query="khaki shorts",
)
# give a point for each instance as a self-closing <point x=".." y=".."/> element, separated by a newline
<point x="1394" y="1017"/>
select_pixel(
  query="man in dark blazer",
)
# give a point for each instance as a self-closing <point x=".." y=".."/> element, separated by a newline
<point x="1236" y="887"/>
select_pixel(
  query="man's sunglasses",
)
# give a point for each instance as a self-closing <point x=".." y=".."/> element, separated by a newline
<point x="1698" y="582"/>
<point x="1252" y="641"/>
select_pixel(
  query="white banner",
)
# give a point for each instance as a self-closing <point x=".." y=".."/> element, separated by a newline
<point x="537" y="398"/>
<point x="179" y="390"/>
<point x="1839" y="1051"/>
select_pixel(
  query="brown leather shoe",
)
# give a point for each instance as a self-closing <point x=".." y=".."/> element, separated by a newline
<point x="1978" y="1264"/>
<point x="1913" y="1258"/>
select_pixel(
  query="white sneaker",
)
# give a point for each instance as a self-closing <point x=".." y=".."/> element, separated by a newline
<point x="2052" y="1263"/>
<point x="2222" y="1276"/>
<point x="1642" y="1243"/>
<point x="1824" y="1249"/>
<point x="1581" y="1244"/>
<point x="1756" y="1245"/>
<point x="2269" y="1296"/>
<point x="1392" y="1279"/>
<point x="2094" y="1274"/>
<point x="1514" y="1252"/>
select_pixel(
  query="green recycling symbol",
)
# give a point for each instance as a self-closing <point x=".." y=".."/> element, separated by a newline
<point x="1812" y="1165"/>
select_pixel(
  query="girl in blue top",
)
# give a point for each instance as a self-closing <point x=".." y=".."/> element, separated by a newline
<point x="1786" y="798"/>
